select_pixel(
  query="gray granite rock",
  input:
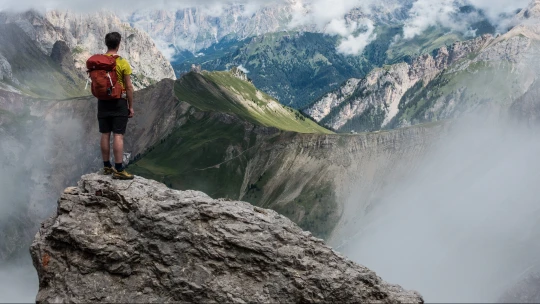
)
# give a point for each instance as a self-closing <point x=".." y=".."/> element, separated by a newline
<point x="139" y="241"/>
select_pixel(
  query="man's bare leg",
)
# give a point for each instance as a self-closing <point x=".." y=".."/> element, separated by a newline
<point x="118" y="148"/>
<point x="106" y="146"/>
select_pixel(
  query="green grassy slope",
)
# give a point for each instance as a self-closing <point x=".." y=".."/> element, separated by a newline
<point x="227" y="157"/>
<point x="38" y="74"/>
<point x="226" y="147"/>
<point x="432" y="39"/>
<point x="223" y="92"/>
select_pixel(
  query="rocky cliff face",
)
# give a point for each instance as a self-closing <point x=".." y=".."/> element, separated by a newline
<point x="84" y="35"/>
<point x="5" y="69"/>
<point x="194" y="28"/>
<point x="139" y="241"/>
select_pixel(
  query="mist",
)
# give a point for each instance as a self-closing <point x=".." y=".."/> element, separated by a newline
<point x="465" y="226"/>
<point x="18" y="282"/>
<point x="38" y="147"/>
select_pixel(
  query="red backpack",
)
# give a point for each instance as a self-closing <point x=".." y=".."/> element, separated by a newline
<point x="102" y="71"/>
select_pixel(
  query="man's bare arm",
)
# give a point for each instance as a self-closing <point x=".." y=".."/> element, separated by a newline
<point x="129" y="92"/>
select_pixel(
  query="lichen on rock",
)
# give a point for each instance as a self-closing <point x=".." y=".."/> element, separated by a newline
<point x="139" y="241"/>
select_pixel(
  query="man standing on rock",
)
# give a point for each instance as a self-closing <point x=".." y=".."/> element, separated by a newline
<point x="111" y="84"/>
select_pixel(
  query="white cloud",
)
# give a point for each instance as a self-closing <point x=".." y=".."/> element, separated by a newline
<point x="426" y="13"/>
<point x="355" y="45"/>
<point x="340" y="27"/>
<point x="243" y="69"/>
<point x="330" y="17"/>
<point x="166" y="49"/>
<point x="494" y="8"/>
<point x="352" y="43"/>
<point x="322" y="12"/>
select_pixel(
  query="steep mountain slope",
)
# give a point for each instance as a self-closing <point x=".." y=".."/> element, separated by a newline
<point x="230" y="92"/>
<point x="26" y="68"/>
<point x="240" y="154"/>
<point x="487" y="72"/>
<point x="48" y="143"/>
<point x="84" y="34"/>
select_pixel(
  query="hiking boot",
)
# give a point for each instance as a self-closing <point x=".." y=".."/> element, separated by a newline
<point x="108" y="170"/>
<point x="123" y="175"/>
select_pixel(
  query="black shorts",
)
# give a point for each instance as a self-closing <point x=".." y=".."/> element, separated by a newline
<point x="113" y="116"/>
<point x="115" y="124"/>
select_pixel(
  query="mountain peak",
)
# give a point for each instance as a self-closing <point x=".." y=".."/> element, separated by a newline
<point x="139" y="241"/>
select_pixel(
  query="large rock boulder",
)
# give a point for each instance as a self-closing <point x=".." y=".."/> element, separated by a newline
<point x="139" y="241"/>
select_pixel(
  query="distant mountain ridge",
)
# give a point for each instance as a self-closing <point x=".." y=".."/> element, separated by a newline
<point x="84" y="36"/>
<point x="193" y="29"/>
<point x="489" y="72"/>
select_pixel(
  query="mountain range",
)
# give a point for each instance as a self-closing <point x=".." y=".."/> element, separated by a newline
<point x="197" y="28"/>
<point x="490" y="72"/>
<point x="81" y="36"/>
<point x="298" y="61"/>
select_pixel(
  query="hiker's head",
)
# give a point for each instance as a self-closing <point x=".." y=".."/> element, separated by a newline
<point x="112" y="40"/>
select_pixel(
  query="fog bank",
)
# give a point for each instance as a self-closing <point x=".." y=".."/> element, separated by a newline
<point x="18" y="282"/>
<point x="466" y="225"/>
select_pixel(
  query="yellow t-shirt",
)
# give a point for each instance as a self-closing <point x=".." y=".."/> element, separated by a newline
<point x="122" y="69"/>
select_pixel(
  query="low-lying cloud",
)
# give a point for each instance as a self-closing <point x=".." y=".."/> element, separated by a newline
<point x="427" y="13"/>
<point x="18" y="283"/>
<point x="356" y="35"/>
<point x="465" y="227"/>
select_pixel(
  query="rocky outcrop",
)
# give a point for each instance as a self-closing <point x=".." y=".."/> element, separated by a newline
<point x="239" y="73"/>
<point x="322" y="108"/>
<point x="84" y="35"/>
<point x="5" y="69"/>
<point x="139" y="241"/>
<point x="61" y="54"/>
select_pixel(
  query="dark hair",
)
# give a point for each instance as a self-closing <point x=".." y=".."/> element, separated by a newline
<point x="112" y="40"/>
